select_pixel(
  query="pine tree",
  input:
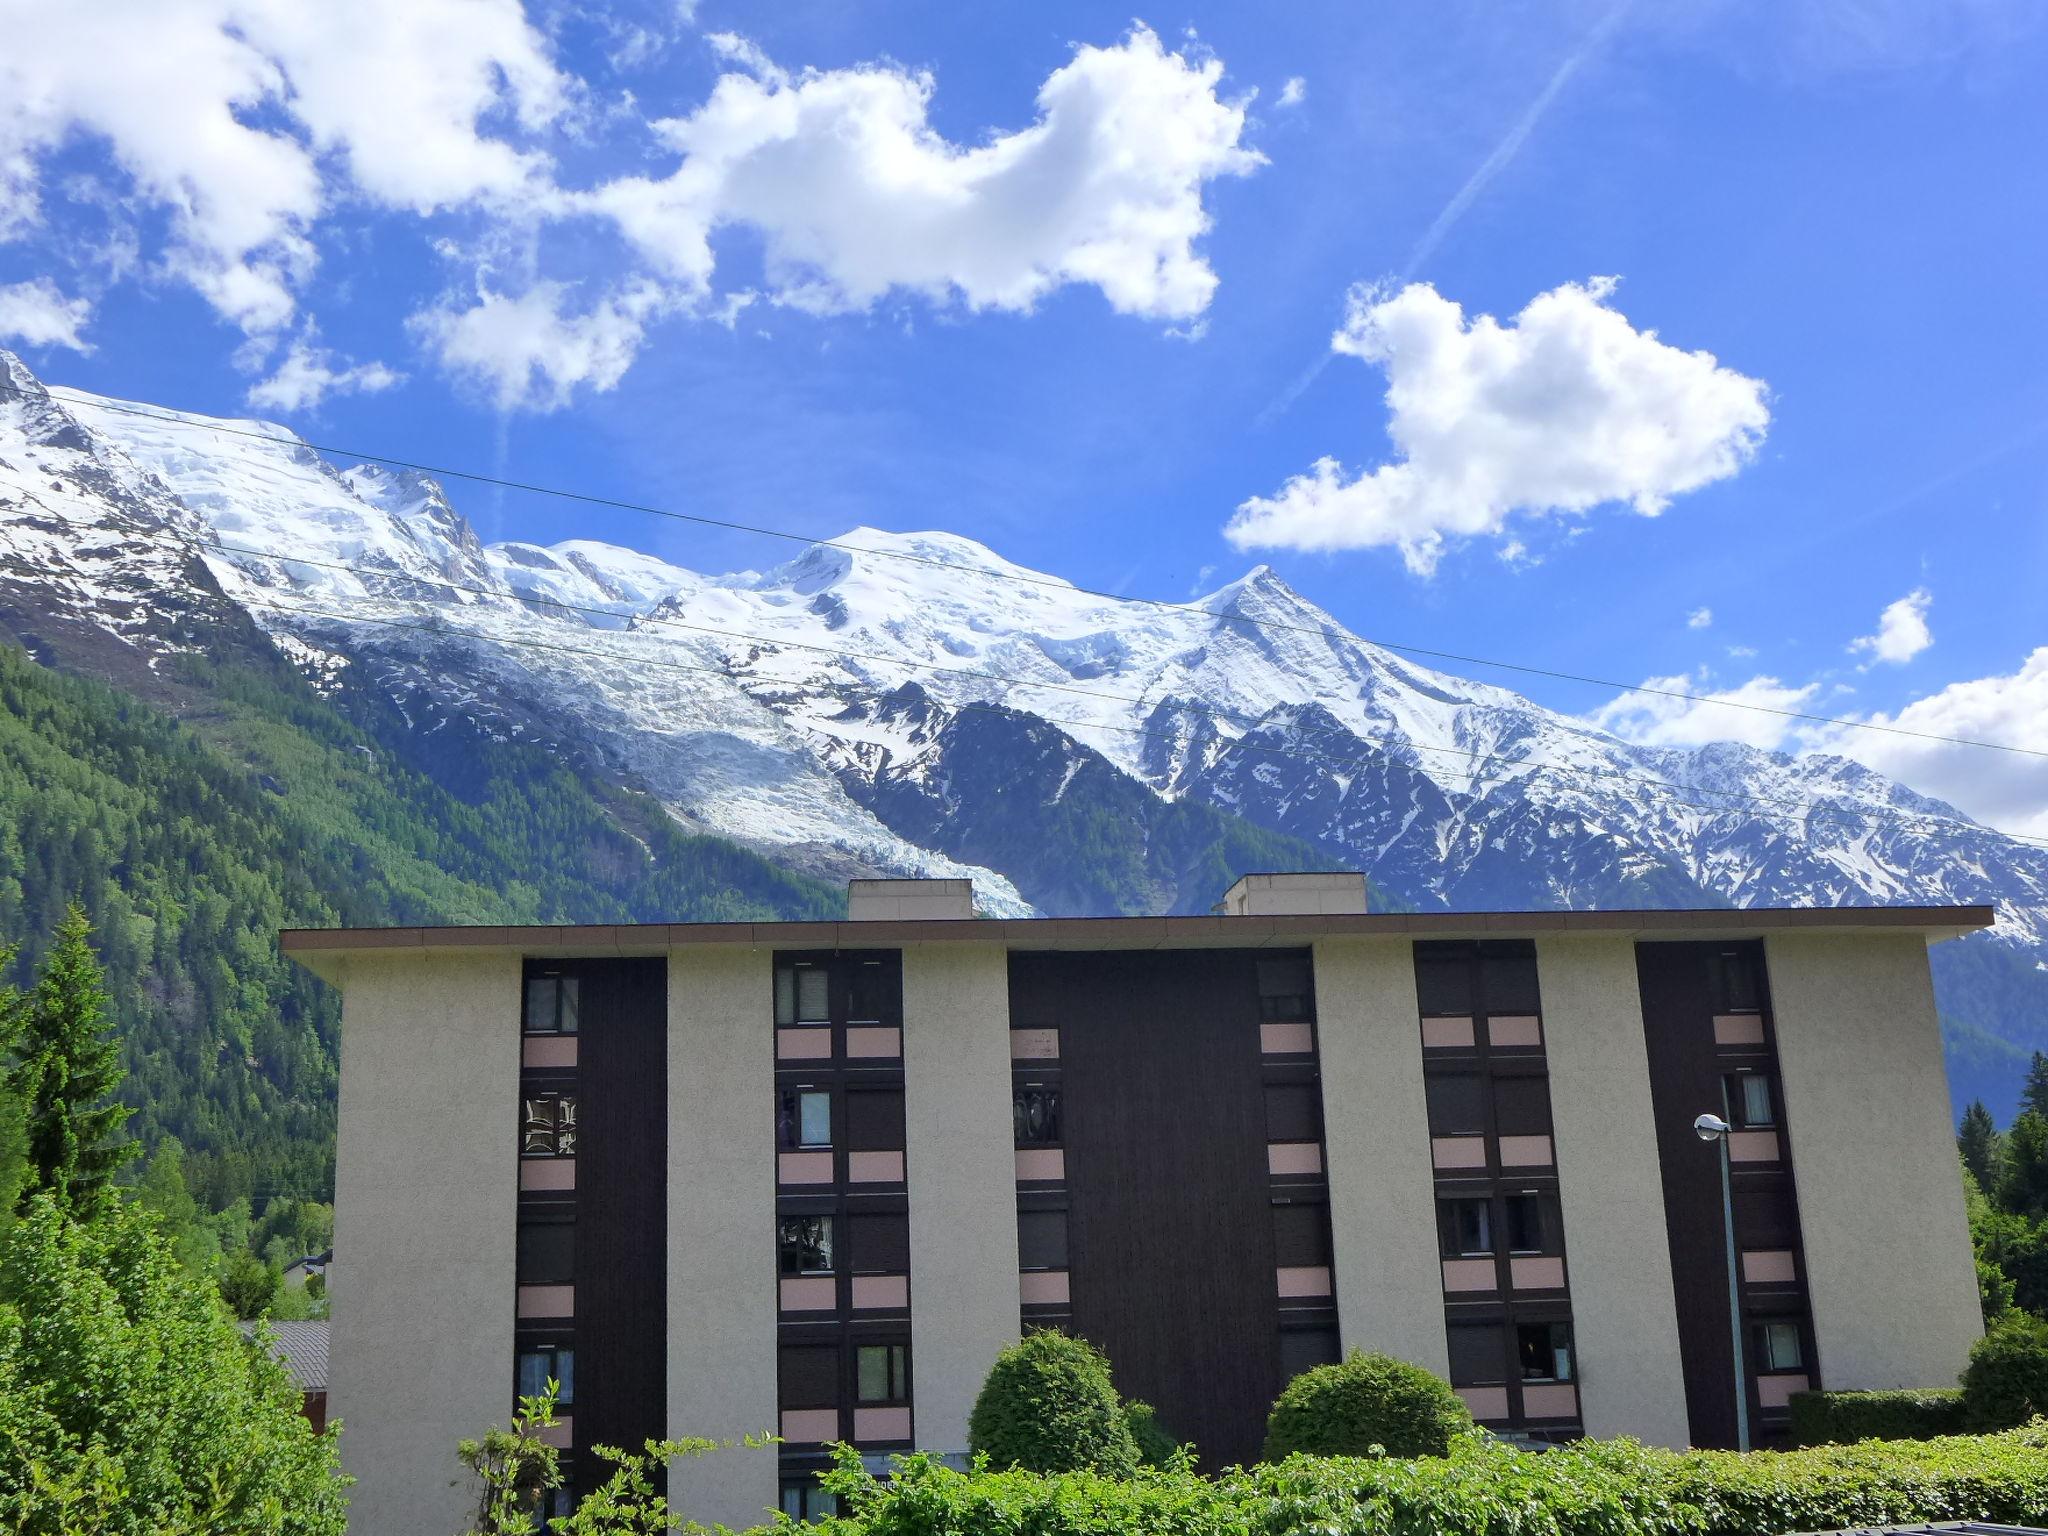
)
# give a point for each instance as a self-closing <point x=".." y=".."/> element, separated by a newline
<point x="1981" y="1145"/>
<point x="2023" y="1183"/>
<point x="2034" y="1094"/>
<point x="66" y="1070"/>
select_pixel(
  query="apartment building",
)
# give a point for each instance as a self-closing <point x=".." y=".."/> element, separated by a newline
<point x="808" y="1178"/>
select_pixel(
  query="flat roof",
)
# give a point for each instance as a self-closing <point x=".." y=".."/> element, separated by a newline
<point x="318" y="948"/>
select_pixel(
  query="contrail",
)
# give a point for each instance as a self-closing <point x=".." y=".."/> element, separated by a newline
<point x="1503" y="153"/>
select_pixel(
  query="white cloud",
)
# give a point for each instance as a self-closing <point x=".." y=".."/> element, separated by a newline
<point x="528" y="352"/>
<point x="1660" y="720"/>
<point x="1699" y="618"/>
<point x="1902" y="631"/>
<point x="2005" y="789"/>
<point x="230" y="116"/>
<point x="310" y="373"/>
<point x="35" y="314"/>
<point x="1565" y="408"/>
<point x="1294" y="92"/>
<point x="855" y="195"/>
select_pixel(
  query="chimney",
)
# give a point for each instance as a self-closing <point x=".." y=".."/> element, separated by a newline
<point x="1321" y="895"/>
<point x="869" y="901"/>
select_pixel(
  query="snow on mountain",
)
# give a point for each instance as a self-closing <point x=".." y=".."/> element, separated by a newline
<point x="752" y="704"/>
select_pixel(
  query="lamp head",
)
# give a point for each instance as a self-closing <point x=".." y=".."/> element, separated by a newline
<point x="1710" y="1127"/>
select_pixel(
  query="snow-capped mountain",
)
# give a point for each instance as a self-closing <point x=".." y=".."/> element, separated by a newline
<point x="912" y="702"/>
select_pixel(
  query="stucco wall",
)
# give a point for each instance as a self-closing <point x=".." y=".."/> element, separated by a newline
<point x="425" y="1209"/>
<point x="1625" y="1320"/>
<point x="721" y="1228"/>
<point x="962" y="1176"/>
<point x="1888" y="1262"/>
<point x="1376" y="1136"/>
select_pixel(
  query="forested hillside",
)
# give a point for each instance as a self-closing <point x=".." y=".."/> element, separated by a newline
<point x="191" y="843"/>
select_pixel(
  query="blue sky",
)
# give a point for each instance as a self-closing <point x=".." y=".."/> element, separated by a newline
<point x="1068" y="283"/>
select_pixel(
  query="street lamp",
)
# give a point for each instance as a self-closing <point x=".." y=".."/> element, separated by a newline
<point x="1714" y="1128"/>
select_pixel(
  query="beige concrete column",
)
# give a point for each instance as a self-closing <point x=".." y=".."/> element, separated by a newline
<point x="1872" y="1138"/>
<point x="1376" y="1136"/>
<point x="721" y="1228"/>
<point x="426" y="1208"/>
<point x="962" y="1173"/>
<point x="1624" y="1317"/>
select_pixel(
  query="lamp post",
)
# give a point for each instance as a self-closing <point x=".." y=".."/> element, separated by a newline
<point x="1714" y="1128"/>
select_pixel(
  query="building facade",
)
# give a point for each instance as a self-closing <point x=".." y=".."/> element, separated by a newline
<point x="727" y="1179"/>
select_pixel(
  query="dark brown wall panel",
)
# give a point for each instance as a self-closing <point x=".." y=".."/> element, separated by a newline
<point x="622" y="1205"/>
<point x="1170" y="1225"/>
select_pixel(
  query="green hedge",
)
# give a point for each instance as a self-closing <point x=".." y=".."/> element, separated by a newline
<point x="1047" y="1405"/>
<point x="1842" y="1418"/>
<point x="1483" y="1488"/>
<point x="1363" y="1402"/>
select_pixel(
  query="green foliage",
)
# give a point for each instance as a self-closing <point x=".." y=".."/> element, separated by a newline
<point x="2006" y="1381"/>
<point x="2023" y="1181"/>
<point x="190" y="843"/>
<point x="1156" y="1448"/>
<point x="1594" y="1488"/>
<point x="1048" y="1406"/>
<point x="65" y="1072"/>
<point x="130" y="1405"/>
<point x="248" y="1285"/>
<point x="512" y="1471"/>
<point x="1842" y="1418"/>
<point x="1982" y="1148"/>
<point x="1365" y="1405"/>
<point x="2034" y="1091"/>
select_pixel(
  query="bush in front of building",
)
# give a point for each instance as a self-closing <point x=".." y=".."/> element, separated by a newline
<point x="1843" y="1418"/>
<point x="1594" y="1488"/>
<point x="2006" y="1381"/>
<point x="1156" y="1447"/>
<point x="1366" y="1405"/>
<point x="1048" y="1406"/>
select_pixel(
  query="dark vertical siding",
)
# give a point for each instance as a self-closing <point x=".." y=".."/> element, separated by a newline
<point x="622" y="1206"/>
<point x="1171" y="1242"/>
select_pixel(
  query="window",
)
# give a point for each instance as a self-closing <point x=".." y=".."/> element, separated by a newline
<point x="803" y="993"/>
<point x="804" y="1501"/>
<point x="1764" y="1218"/>
<point x="1301" y="1236"/>
<point x="1465" y="1227"/>
<point x="1544" y="1351"/>
<point x="1733" y="982"/>
<point x="1476" y="1359"/>
<point x="807" y="1376"/>
<point x="1293" y="1112"/>
<point x="803" y="1118"/>
<point x="1286" y="990"/>
<point x="547" y="1126"/>
<point x="1457" y="1104"/>
<point x="1041" y="1239"/>
<point x="1036" y="1110"/>
<point x="878" y="1244"/>
<point x="1776" y="1345"/>
<point x="1749" y="1099"/>
<point x="881" y="1373"/>
<point x="1507" y="977"/>
<point x="537" y="1367"/>
<point x="552" y="1005"/>
<point x="804" y="1244"/>
<point x="1303" y="1349"/>
<point x="1443" y="979"/>
<point x="546" y="1253"/>
<point x="1521" y="1106"/>
<point x="1525" y="1223"/>
<point x="874" y="1119"/>
<point x="871" y="994"/>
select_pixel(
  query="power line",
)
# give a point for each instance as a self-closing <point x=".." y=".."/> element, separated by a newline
<point x="1026" y="577"/>
<point x="1236" y="717"/>
<point x="1742" y="802"/>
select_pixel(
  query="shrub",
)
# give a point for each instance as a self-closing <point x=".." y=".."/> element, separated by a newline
<point x="1156" y="1448"/>
<point x="1839" y="1418"/>
<point x="1048" y="1406"/>
<point x="2006" y="1381"/>
<point x="1594" y="1488"/>
<point x="1367" y="1401"/>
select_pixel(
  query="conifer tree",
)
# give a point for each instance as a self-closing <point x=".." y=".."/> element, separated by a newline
<point x="2034" y="1093"/>
<point x="66" y="1070"/>
<point x="1980" y="1144"/>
